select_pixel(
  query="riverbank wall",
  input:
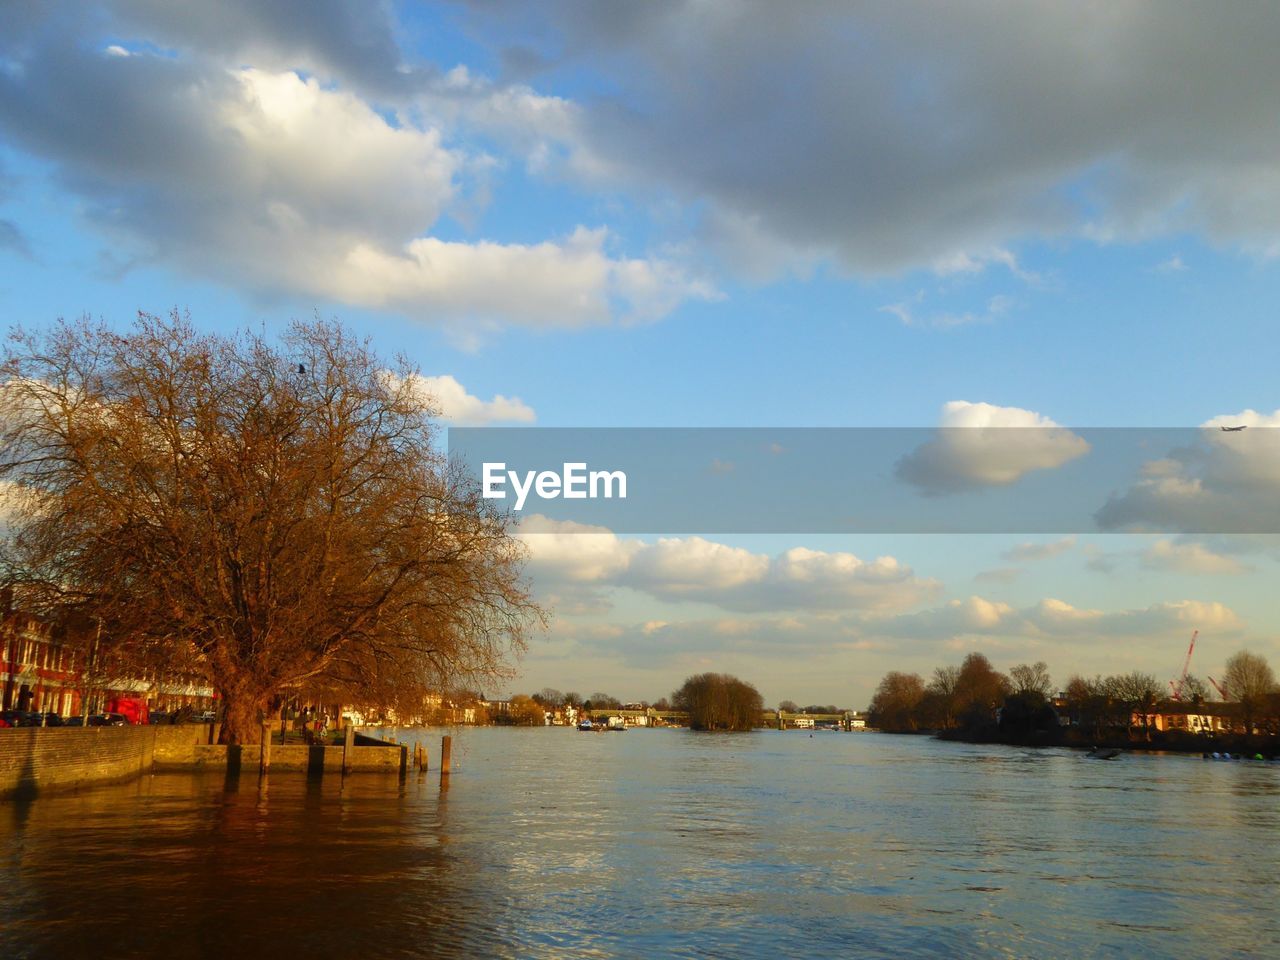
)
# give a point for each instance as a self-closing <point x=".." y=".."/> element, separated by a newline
<point x="41" y="760"/>
<point x="1167" y="741"/>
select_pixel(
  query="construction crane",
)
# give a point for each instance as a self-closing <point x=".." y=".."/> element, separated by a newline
<point x="1176" y="685"/>
<point x="1222" y="691"/>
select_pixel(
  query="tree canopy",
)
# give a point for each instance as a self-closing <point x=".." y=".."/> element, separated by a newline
<point x="272" y="516"/>
<point x="718" y="701"/>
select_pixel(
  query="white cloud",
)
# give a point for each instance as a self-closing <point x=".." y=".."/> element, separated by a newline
<point x="561" y="551"/>
<point x="699" y="570"/>
<point x="909" y="315"/>
<point x="983" y="445"/>
<point x="1052" y="618"/>
<point x="467" y="410"/>
<point x="1039" y="551"/>
<point x="1190" y="557"/>
<point x="891" y="136"/>
<point x="1219" y="482"/>
<point x="299" y="187"/>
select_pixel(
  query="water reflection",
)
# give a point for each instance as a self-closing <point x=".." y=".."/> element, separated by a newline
<point x="665" y="843"/>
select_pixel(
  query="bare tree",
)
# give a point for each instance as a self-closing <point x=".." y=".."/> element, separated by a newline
<point x="1138" y="692"/>
<point x="274" y="517"/>
<point x="1249" y="679"/>
<point x="1032" y="678"/>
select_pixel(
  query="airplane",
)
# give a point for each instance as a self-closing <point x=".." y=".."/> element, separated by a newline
<point x="1233" y="429"/>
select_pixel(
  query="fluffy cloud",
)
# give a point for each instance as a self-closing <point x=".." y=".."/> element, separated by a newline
<point x="288" y="184"/>
<point x="561" y="551"/>
<point x="733" y="578"/>
<point x="467" y="410"/>
<point x="1055" y="619"/>
<point x="1219" y="482"/>
<point x="900" y="135"/>
<point x="1190" y="557"/>
<point x="983" y="445"/>
<point x="1024" y="552"/>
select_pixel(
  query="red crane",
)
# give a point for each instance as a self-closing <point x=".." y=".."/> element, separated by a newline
<point x="1176" y="685"/>
<point x="1222" y="691"/>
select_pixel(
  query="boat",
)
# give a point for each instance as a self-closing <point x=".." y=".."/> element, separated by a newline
<point x="586" y="725"/>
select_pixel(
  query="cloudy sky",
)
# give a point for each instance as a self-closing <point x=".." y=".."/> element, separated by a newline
<point x="725" y="214"/>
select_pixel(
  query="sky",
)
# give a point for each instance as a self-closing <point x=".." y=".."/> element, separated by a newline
<point x="700" y="214"/>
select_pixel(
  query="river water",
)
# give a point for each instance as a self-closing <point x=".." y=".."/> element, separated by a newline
<point x="661" y="843"/>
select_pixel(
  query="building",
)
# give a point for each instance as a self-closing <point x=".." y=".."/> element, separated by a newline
<point x="40" y="672"/>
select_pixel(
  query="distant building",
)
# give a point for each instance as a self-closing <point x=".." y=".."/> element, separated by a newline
<point x="39" y="671"/>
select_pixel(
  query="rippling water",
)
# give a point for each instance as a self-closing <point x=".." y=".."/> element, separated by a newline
<point x="661" y="843"/>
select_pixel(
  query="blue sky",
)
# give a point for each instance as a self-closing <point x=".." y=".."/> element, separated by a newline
<point x="689" y="214"/>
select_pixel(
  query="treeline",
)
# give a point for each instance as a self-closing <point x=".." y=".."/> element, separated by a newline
<point x="977" y="699"/>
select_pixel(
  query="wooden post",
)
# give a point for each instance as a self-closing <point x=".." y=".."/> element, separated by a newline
<point x="404" y="762"/>
<point x="348" y="748"/>
<point x="264" y="761"/>
<point x="446" y="754"/>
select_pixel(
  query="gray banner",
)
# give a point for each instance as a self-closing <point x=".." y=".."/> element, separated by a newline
<point x="889" y="480"/>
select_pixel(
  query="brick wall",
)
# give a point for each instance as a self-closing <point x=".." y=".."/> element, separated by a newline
<point x="37" y="760"/>
<point x="45" y="759"/>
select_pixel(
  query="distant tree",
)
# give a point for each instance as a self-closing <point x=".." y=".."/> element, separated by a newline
<point x="1195" y="690"/>
<point x="526" y="712"/>
<point x="718" y="701"/>
<point x="893" y="708"/>
<point x="662" y="705"/>
<point x="572" y="699"/>
<point x="789" y="706"/>
<point x="1027" y="712"/>
<point x="1249" y="679"/>
<point x="602" y="701"/>
<point x="549" y="697"/>
<point x="1032" y="678"/>
<point x="980" y="690"/>
<point x="820" y="708"/>
<point x="1138" y="692"/>
<point x="1089" y="703"/>
<point x="940" y="697"/>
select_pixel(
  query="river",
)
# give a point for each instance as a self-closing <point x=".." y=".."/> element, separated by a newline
<point x="660" y="843"/>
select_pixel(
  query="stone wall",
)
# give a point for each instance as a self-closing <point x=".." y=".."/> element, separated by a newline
<point x="36" y="760"/>
<point x="39" y="759"/>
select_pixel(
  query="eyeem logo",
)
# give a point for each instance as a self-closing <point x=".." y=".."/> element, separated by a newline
<point x="574" y="482"/>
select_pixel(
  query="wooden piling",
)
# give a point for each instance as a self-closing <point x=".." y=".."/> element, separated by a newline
<point x="264" y="756"/>
<point x="446" y="755"/>
<point x="348" y="748"/>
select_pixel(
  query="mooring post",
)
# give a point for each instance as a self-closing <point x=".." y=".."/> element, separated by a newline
<point x="264" y="757"/>
<point x="404" y="762"/>
<point x="446" y="754"/>
<point x="348" y="748"/>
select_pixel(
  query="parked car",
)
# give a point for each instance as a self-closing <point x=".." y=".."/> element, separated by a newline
<point x="73" y="722"/>
<point x="108" y="720"/>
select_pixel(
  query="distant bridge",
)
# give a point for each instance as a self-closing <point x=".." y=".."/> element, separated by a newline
<point x="776" y="719"/>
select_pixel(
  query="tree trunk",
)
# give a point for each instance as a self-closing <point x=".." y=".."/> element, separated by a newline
<point x="242" y="717"/>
